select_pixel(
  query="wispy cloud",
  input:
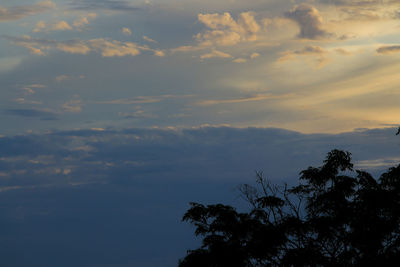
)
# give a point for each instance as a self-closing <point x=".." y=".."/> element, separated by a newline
<point x="31" y="88"/>
<point x="22" y="100"/>
<point x="388" y="49"/>
<point x="19" y="12"/>
<point x="377" y="163"/>
<point x="106" y="47"/>
<point x="74" y="106"/>
<point x="315" y="51"/>
<point x="241" y="100"/>
<point x="215" y="54"/>
<point x="64" y="77"/>
<point x="141" y="99"/>
<point x="117" y="5"/>
<point x="148" y="39"/>
<point x="138" y="114"/>
<point x="42" y="114"/>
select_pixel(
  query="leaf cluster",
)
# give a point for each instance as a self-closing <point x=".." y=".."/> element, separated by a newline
<point x="335" y="216"/>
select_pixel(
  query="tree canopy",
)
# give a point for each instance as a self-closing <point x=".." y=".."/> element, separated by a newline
<point x="335" y="216"/>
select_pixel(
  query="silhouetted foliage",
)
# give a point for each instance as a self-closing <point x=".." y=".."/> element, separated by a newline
<point x="335" y="217"/>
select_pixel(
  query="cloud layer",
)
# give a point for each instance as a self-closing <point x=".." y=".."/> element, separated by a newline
<point x="123" y="188"/>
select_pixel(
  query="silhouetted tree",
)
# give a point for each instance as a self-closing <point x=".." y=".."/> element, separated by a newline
<point x="335" y="217"/>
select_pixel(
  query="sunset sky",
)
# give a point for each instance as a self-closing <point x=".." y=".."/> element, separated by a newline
<point x="311" y="66"/>
<point x="115" y="114"/>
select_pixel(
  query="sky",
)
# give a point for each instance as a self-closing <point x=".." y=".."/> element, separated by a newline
<point x="322" y="66"/>
<point x="115" y="114"/>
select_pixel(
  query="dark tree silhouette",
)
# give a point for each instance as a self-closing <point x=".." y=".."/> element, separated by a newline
<point x="335" y="217"/>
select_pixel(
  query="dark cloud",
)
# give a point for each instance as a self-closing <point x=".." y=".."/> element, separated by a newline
<point x="358" y="3"/>
<point x="309" y="21"/>
<point x="115" y="197"/>
<point x="220" y="153"/>
<point x="388" y="49"/>
<point x="32" y="113"/>
<point x="118" y="5"/>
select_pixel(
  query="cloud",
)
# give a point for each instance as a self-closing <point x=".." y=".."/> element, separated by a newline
<point x="377" y="163"/>
<point x="343" y="51"/>
<point x="148" y="39"/>
<point x="42" y="114"/>
<point x="187" y="48"/>
<point x="74" y="106"/>
<point x="254" y="55"/>
<point x="22" y="100"/>
<point x="106" y="47"/>
<point x="127" y="178"/>
<point x="240" y="60"/>
<point x="63" y="25"/>
<point x="308" y="50"/>
<point x="358" y="3"/>
<point x="64" y="77"/>
<point x="159" y="53"/>
<point x="112" y="48"/>
<point x="315" y="51"/>
<point x="389" y="49"/>
<point x="141" y="99"/>
<point x="309" y="21"/>
<point x="215" y="54"/>
<point x="126" y="31"/>
<point x="57" y="26"/>
<point x="107" y="155"/>
<point x="137" y="100"/>
<point x="240" y="100"/>
<point x="19" y="12"/>
<point x="83" y="21"/>
<point x="74" y="47"/>
<point x="116" y="5"/>
<point x="225" y="31"/>
<point x="139" y="114"/>
<point x="30" y="89"/>
<point x="36" y="46"/>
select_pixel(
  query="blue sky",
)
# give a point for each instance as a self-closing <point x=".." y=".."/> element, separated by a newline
<point x="115" y="114"/>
